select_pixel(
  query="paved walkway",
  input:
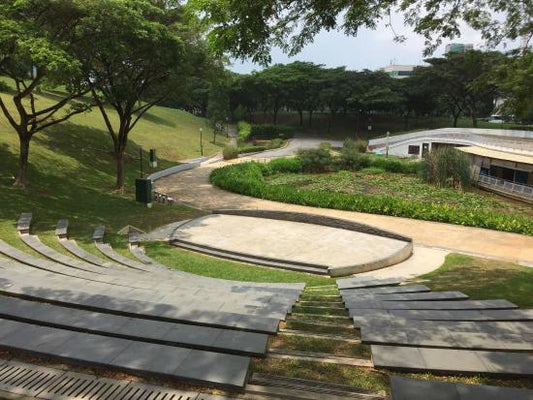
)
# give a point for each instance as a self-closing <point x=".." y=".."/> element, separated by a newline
<point x="193" y="188"/>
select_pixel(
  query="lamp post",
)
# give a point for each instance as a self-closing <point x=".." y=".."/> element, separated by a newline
<point x="141" y="161"/>
<point x="201" y="142"/>
<point x="387" y="144"/>
<point x="227" y="127"/>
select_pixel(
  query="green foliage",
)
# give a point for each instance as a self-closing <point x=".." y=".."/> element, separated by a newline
<point x="274" y="144"/>
<point x="244" y="129"/>
<point x="230" y="152"/>
<point x="447" y="167"/>
<point x="250" y="30"/>
<point x="285" y="165"/>
<point x="315" y="160"/>
<point x="325" y="146"/>
<point x="268" y="131"/>
<point x="248" y="179"/>
<point x="358" y="145"/>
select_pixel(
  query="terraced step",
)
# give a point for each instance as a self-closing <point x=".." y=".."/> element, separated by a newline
<point x="251" y="260"/>
<point x="295" y="388"/>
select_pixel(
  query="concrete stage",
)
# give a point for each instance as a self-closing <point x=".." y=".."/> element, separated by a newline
<point x="305" y="247"/>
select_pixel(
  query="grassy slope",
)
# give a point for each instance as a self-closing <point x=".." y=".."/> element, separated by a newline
<point x="72" y="172"/>
<point x="484" y="279"/>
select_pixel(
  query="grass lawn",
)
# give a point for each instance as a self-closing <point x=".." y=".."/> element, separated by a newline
<point x="72" y="173"/>
<point x="484" y="279"/>
<point x="209" y="266"/>
<point x="372" y="181"/>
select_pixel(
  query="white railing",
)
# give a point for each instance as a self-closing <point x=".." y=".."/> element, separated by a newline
<point x="507" y="186"/>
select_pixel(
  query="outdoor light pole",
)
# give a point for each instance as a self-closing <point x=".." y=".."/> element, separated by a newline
<point x="201" y="142"/>
<point x="141" y="160"/>
<point x="387" y="144"/>
<point x="227" y="127"/>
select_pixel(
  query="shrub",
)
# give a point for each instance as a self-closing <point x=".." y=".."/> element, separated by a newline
<point x="285" y="165"/>
<point x="372" y="171"/>
<point x="351" y="160"/>
<point x="359" y="145"/>
<point x="248" y="179"/>
<point x="268" y="131"/>
<point x="244" y="129"/>
<point x="253" y="148"/>
<point x="274" y="144"/>
<point x="447" y="167"/>
<point x="315" y="160"/>
<point x="230" y="152"/>
<point x="325" y="146"/>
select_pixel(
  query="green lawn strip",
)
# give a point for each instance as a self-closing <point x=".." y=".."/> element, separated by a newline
<point x="329" y="346"/>
<point x="214" y="267"/>
<point x="363" y="378"/>
<point x="484" y="279"/>
<point x="317" y="310"/>
<point x="296" y="325"/>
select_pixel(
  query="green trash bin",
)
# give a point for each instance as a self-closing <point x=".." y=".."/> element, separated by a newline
<point x="143" y="190"/>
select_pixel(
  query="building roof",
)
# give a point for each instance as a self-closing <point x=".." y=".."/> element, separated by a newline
<point x="500" y="155"/>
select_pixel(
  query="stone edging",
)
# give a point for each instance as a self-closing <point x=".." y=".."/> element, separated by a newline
<point x="315" y="219"/>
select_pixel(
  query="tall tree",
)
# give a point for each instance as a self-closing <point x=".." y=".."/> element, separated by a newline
<point x="463" y="80"/>
<point x="35" y="41"/>
<point x="129" y="53"/>
<point x="250" y="29"/>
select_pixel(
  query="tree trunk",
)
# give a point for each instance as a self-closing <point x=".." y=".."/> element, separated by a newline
<point x="455" y="118"/>
<point x="24" y="144"/>
<point x="301" y="113"/>
<point x="473" y="115"/>
<point x="276" y="116"/>
<point x="119" y="155"/>
<point x="310" y="117"/>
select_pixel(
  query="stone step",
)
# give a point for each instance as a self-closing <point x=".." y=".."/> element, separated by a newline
<point x="143" y="359"/>
<point x="319" y="357"/>
<point x="295" y="388"/>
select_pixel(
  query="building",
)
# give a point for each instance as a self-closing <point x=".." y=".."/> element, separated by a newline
<point x="502" y="159"/>
<point x="458" y="48"/>
<point x="399" y="71"/>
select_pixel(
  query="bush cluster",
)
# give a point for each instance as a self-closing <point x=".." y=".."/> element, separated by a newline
<point x="358" y="145"/>
<point x="315" y="160"/>
<point x="447" y="167"/>
<point x="269" y="131"/>
<point x="248" y="179"/>
<point x="230" y="152"/>
<point x="261" y="146"/>
<point x="244" y="129"/>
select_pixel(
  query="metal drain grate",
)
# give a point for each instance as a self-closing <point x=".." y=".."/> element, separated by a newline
<point x="54" y="384"/>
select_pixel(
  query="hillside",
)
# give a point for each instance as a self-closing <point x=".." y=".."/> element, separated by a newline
<point x="71" y="171"/>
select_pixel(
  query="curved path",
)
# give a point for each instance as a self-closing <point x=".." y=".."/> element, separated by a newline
<point x="192" y="187"/>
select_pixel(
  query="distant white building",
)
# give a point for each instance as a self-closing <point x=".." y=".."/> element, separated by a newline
<point x="399" y="71"/>
<point x="502" y="159"/>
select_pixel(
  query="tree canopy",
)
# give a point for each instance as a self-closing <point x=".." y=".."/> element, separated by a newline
<point x="248" y="29"/>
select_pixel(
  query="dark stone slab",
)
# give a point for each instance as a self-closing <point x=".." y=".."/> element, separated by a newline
<point x="23" y="223"/>
<point x="414" y="389"/>
<point x="61" y="228"/>
<point x="385" y="290"/>
<point x="452" y="360"/>
<point x="72" y="247"/>
<point x="356" y="283"/>
<point x="199" y="366"/>
<point x="434" y="305"/>
<point x="465" y="315"/>
<point x="426" y="296"/>
<point x="98" y="234"/>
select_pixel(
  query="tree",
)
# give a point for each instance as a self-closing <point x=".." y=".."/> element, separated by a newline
<point x="218" y="110"/>
<point x="463" y="80"/>
<point x="513" y="79"/>
<point x="129" y="54"/>
<point x="250" y="29"/>
<point x="35" y="41"/>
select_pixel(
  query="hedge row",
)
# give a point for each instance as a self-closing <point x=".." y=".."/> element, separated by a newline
<point x="268" y="131"/>
<point x="248" y="179"/>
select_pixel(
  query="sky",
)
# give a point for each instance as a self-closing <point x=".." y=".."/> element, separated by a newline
<point x="371" y="49"/>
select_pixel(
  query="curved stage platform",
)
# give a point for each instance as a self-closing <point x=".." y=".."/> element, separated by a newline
<point x="302" y="242"/>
